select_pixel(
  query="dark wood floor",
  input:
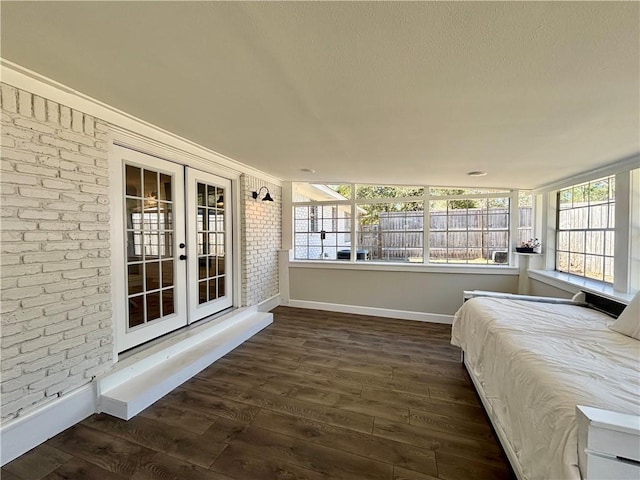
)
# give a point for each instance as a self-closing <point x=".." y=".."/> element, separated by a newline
<point x="316" y="395"/>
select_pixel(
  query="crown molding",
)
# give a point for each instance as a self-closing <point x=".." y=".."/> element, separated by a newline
<point x="621" y="165"/>
<point x="35" y="83"/>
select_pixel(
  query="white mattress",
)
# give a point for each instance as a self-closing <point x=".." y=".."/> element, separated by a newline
<point x="535" y="363"/>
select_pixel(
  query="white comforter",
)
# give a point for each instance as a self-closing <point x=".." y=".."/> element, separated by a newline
<point x="535" y="363"/>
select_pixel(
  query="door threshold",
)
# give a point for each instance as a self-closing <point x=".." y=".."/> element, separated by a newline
<point x="167" y="337"/>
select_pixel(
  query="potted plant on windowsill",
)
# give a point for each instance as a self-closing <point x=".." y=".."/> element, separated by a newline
<point x="532" y="246"/>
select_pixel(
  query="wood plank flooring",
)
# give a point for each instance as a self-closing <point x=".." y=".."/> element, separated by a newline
<point x="316" y="395"/>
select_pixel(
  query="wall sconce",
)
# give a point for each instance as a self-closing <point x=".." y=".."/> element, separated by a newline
<point x="266" y="198"/>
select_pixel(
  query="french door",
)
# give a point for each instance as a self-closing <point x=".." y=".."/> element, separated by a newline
<point x="175" y="232"/>
<point x="209" y="240"/>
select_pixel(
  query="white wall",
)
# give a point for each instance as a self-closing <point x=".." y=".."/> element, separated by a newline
<point x="428" y="292"/>
<point x="544" y="290"/>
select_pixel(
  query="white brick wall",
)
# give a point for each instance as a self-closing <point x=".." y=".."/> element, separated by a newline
<point x="56" y="319"/>
<point x="54" y="217"/>
<point x="261" y="239"/>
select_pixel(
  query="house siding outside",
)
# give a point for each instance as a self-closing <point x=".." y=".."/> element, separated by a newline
<point x="334" y="220"/>
<point x="56" y="311"/>
<point x="56" y="280"/>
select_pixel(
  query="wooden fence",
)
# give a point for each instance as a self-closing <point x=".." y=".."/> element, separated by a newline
<point x="472" y="234"/>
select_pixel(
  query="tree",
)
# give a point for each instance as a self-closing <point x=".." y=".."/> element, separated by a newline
<point x="462" y="203"/>
<point x="373" y="210"/>
<point x="593" y="192"/>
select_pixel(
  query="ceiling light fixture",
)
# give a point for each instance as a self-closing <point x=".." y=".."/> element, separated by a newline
<point x="307" y="170"/>
<point x="266" y="198"/>
<point x="476" y="173"/>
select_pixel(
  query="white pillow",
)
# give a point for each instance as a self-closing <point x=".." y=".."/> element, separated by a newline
<point x="628" y="323"/>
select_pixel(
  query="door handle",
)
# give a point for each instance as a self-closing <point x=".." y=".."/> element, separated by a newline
<point x="182" y="257"/>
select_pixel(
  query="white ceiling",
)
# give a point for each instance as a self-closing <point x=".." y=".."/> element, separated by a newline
<point x="389" y="92"/>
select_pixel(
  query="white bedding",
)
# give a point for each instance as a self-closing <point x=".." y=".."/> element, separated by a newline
<point x="535" y="363"/>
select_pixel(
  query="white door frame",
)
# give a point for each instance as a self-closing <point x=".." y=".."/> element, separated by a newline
<point x="130" y="337"/>
<point x="199" y="311"/>
<point x="122" y="137"/>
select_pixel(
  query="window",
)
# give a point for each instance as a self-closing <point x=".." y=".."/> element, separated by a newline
<point x="390" y="231"/>
<point x="525" y="217"/>
<point x="585" y="229"/>
<point x="322" y="232"/>
<point x="465" y="226"/>
<point x="313" y="218"/>
<point x="469" y="226"/>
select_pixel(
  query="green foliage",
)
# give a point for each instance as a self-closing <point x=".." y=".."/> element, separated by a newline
<point x="381" y="191"/>
<point x="373" y="210"/>
<point x="525" y="199"/>
<point x="593" y="192"/>
<point x="344" y="190"/>
<point x="462" y="203"/>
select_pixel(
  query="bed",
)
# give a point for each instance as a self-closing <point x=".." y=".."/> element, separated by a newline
<point x="542" y="367"/>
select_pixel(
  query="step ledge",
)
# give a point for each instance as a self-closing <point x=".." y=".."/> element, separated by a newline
<point x="175" y="343"/>
<point x="147" y="376"/>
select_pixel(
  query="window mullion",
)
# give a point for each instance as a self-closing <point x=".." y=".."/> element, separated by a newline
<point x="395" y="225"/>
<point x="426" y="225"/>
<point x="514" y="222"/>
<point x="354" y="227"/>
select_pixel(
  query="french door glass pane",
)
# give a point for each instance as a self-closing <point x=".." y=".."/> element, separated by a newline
<point x="211" y="242"/>
<point x="149" y="243"/>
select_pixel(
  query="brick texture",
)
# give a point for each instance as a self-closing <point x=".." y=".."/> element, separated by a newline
<point x="56" y="315"/>
<point x="261" y="239"/>
<point x="55" y="247"/>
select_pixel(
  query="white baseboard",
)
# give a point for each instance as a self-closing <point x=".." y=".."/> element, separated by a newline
<point x="373" y="311"/>
<point x="269" y="304"/>
<point x="24" y="433"/>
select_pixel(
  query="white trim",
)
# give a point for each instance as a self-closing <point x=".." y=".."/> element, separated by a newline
<point x="117" y="248"/>
<point x="283" y="275"/>
<point x="634" y="231"/>
<point x="287" y="216"/>
<point x="269" y="304"/>
<point x="20" y="77"/>
<point x="373" y="311"/>
<point x="625" y="281"/>
<point x="197" y="311"/>
<point x="407" y="267"/>
<point x="236" y="239"/>
<point x="622" y="165"/>
<point x="26" y="432"/>
<point x="169" y="152"/>
<point x="622" y="240"/>
<point x="514" y="221"/>
<point x="126" y="337"/>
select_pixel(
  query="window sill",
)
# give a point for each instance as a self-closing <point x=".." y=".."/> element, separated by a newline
<point x="407" y="267"/>
<point x="574" y="284"/>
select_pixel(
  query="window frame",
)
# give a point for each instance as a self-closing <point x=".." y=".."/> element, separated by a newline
<point x="609" y="202"/>
<point x="626" y="255"/>
<point x="425" y="198"/>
